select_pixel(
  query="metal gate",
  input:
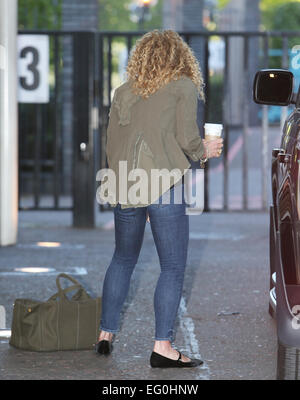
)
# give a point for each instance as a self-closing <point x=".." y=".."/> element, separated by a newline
<point x="62" y="143"/>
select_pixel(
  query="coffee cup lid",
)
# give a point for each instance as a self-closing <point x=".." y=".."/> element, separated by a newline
<point x="210" y="125"/>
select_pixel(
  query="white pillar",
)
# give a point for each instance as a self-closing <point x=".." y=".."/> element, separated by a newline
<point x="8" y="123"/>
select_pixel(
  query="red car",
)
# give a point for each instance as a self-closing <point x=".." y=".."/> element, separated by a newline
<point x="275" y="87"/>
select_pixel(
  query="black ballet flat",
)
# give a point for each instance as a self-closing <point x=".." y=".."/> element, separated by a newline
<point x="104" y="347"/>
<point x="159" y="361"/>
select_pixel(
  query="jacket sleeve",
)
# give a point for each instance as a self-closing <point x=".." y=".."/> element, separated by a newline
<point x="187" y="130"/>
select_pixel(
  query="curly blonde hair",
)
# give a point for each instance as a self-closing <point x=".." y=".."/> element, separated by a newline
<point x="159" y="57"/>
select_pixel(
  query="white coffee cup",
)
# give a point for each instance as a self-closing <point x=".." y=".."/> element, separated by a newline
<point x="212" y="131"/>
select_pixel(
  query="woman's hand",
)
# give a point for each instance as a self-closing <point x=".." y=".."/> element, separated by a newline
<point x="147" y="217"/>
<point x="213" y="148"/>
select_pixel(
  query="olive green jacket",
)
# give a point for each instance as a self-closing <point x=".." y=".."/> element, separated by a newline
<point x="154" y="133"/>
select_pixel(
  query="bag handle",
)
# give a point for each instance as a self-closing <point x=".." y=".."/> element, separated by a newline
<point x="66" y="290"/>
<point x="62" y="292"/>
<point x="66" y="276"/>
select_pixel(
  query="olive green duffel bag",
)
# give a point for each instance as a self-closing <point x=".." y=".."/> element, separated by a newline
<point x="59" y="323"/>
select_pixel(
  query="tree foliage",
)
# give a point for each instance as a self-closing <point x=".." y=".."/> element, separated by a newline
<point x="275" y="14"/>
<point x="285" y="17"/>
<point x="116" y="15"/>
<point x="39" y="14"/>
<point x="222" y="3"/>
<point x="113" y="15"/>
<point x="280" y="14"/>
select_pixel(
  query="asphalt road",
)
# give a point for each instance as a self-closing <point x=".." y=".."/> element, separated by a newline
<point x="223" y="315"/>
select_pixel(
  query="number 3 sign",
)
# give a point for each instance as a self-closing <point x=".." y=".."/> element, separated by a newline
<point x="33" y="68"/>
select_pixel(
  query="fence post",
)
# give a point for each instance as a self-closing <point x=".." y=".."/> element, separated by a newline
<point x="83" y="140"/>
<point x="206" y="80"/>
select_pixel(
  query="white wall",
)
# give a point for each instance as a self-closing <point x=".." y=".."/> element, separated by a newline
<point x="8" y="123"/>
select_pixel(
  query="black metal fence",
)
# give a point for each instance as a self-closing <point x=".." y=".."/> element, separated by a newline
<point x="41" y="142"/>
<point x="62" y="143"/>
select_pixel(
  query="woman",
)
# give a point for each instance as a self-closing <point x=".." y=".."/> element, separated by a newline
<point x="152" y="125"/>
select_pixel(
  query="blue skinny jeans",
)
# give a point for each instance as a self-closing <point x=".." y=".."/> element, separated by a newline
<point x="170" y="230"/>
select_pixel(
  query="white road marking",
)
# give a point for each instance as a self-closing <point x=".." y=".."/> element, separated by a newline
<point x="48" y="271"/>
<point x="215" y="236"/>
<point x="62" y="246"/>
<point x="188" y="329"/>
<point x="5" y="333"/>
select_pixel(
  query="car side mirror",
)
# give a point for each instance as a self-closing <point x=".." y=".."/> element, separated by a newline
<point x="274" y="87"/>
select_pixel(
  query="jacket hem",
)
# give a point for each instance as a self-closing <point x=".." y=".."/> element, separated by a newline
<point x="128" y="205"/>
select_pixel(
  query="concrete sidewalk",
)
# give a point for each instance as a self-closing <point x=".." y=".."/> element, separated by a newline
<point x="223" y="315"/>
